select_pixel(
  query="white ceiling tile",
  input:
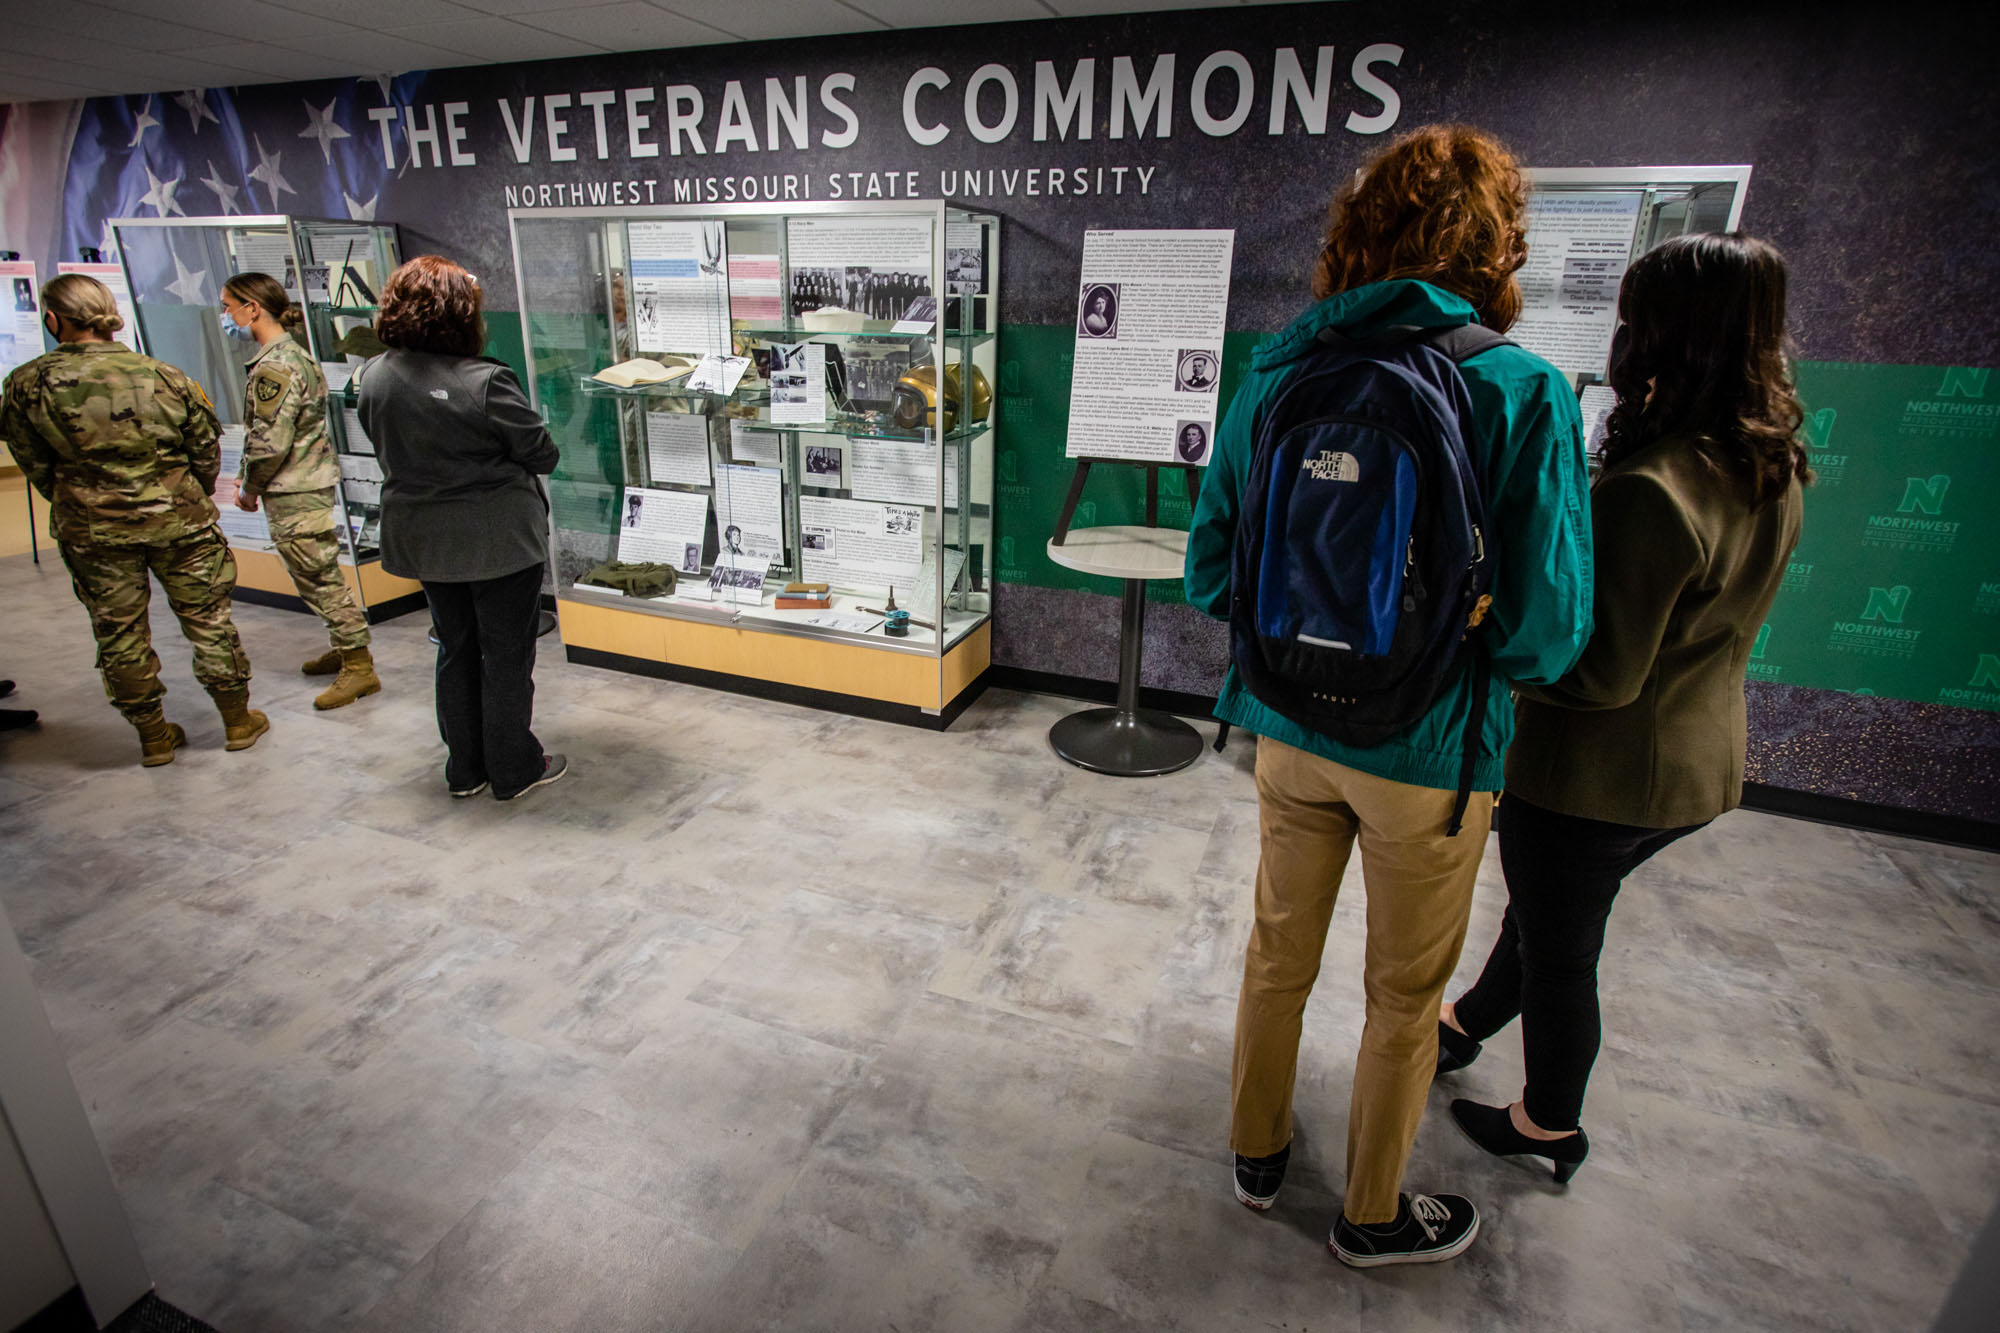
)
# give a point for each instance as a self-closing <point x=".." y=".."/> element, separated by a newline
<point x="510" y="7"/>
<point x="1080" y="8"/>
<point x="117" y="28"/>
<point x="488" y="38"/>
<point x="630" y="26"/>
<point x="17" y="88"/>
<point x="371" y="52"/>
<point x="933" y="14"/>
<point x="245" y="20"/>
<point x="376" y="14"/>
<point x="774" y="18"/>
<point x="277" y="62"/>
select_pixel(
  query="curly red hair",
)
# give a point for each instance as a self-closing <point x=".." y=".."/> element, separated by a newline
<point x="1445" y="204"/>
<point x="432" y="305"/>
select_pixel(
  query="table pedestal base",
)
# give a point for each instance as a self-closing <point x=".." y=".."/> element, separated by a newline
<point x="1142" y="744"/>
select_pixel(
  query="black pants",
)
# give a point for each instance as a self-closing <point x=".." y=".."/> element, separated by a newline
<point x="1563" y="874"/>
<point x="486" y="678"/>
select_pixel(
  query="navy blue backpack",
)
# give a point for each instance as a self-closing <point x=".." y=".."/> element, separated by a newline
<point x="1363" y="553"/>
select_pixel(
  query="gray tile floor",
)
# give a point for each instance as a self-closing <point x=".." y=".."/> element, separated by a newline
<point x="770" y="1018"/>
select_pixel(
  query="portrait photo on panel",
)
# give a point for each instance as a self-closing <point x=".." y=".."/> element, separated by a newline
<point x="633" y="504"/>
<point x="1195" y="370"/>
<point x="1097" y="311"/>
<point x="1190" y="441"/>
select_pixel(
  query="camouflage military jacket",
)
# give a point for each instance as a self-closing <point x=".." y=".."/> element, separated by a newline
<point x="123" y="447"/>
<point x="285" y="445"/>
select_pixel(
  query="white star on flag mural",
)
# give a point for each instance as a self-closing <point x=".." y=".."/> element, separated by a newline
<point x="195" y="102"/>
<point x="320" y="126"/>
<point x="358" y="211"/>
<point x="187" y="285"/>
<point x="107" y="241"/>
<point x="383" y="81"/>
<point x="268" y="170"/>
<point x="159" y="195"/>
<point x="144" y="123"/>
<point x="224" y="194"/>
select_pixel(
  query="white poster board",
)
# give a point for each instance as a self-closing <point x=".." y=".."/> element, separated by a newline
<point x="1150" y="315"/>
<point x="677" y="448"/>
<point x="853" y="542"/>
<point x="112" y="276"/>
<point x="680" y="287"/>
<point x="880" y="268"/>
<point x="1579" y="246"/>
<point x="662" y="527"/>
<point x="21" y="331"/>
<point x="798" y="384"/>
<point x="748" y="521"/>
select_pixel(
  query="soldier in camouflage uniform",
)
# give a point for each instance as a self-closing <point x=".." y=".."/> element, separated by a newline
<point x="125" y="450"/>
<point x="289" y="466"/>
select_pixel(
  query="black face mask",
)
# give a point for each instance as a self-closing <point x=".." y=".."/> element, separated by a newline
<point x="49" y="323"/>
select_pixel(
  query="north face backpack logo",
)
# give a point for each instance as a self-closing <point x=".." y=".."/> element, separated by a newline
<point x="1333" y="467"/>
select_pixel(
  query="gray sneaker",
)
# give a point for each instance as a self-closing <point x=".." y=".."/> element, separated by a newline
<point x="553" y="767"/>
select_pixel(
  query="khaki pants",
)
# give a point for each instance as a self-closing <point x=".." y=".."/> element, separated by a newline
<point x="1311" y="812"/>
<point x="304" y="530"/>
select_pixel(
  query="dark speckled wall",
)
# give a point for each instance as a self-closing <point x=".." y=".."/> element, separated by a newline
<point x="1871" y="131"/>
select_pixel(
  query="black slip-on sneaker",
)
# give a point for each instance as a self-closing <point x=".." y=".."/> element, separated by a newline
<point x="1258" y="1178"/>
<point x="1429" y="1228"/>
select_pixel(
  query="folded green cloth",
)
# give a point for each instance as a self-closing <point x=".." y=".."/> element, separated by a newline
<point x="634" y="580"/>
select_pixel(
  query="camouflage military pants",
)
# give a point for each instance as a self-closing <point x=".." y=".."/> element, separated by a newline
<point x="305" y="531"/>
<point x="198" y="574"/>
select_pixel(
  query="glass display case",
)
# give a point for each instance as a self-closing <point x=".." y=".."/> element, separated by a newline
<point x="334" y="269"/>
<point x="790" y="411"/>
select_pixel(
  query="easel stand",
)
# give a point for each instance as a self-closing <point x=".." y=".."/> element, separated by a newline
<point x="1126" y="740"/>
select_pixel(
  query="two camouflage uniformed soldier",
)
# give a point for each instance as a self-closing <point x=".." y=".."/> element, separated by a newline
<point x="289" y="465"/>
<point x="125" y="450"/>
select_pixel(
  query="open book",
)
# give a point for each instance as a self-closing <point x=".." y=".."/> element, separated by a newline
<point x="643" y="370"/>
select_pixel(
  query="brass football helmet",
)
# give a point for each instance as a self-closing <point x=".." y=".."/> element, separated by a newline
<point x="916" y="404"/>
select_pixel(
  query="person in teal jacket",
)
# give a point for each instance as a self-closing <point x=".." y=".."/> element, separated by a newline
<point x="1431" y="236"/>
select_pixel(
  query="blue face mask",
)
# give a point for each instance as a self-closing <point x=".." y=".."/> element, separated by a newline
<point x="231" y="329"/>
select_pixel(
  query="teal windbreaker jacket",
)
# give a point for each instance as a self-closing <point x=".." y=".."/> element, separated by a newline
<point x="1528" y="444"/>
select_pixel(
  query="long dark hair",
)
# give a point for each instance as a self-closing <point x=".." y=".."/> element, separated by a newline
<point x="1702" y="355"/>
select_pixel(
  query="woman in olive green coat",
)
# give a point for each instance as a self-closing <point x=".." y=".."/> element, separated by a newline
<point x="1642" y="742"/>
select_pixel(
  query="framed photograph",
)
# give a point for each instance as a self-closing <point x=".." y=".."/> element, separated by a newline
<point x="823" y="465"/>
<point x="1190" y="441"/>
<point x="1097" y="310"/>
<point x="1196" y="371"/>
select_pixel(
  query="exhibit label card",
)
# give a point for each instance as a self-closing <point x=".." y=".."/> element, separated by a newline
<point x="1579" y="245"/>
<point x="798" y="384"/>
<point x="21" y="333"/>
<point x="663" y="528"/>
<point x="113" y="276"/>
<point x="1150" y="315"/>
<point x="852" y="542"/>
<point x="754" y="448"/>
<point x="357" y="438"/>
<point x="1595" y="405"/>
<point x="877" y="267"/>
<point x="754" y="290"/>
<point x="717" y="374"/>
<point x="901" y="471"/>
<point x="677" y="448"/>
<point x="680" y="287"/>
<point x="747" y="517"/>
<point x="248" y="530"/>
<point x="738" y="578"/>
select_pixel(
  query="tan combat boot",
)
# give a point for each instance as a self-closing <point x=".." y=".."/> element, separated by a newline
<point x="325" y="664"/>
<point x="158" y="739"/>
<point x="241" y="724"/>
<point x="357" y="680"/>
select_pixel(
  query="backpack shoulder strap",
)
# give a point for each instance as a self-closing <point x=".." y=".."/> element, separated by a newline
<point x="1467" y="341"/>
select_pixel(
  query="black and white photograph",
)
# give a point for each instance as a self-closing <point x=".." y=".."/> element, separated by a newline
<point x="1190" y="441"/>
<point x="1195" y="370"/>
<point x="743" y="578"/>
<point x="817" y="539"/>
<point x="732" y="540"/>
<point x="24" y="294"/>
<point x="789" y="386"/>
<point x="823" y="464"/>
<point x="922" y="310"/>
<point x="965" y="268"/>
<point x="872" y="371"/>
<point x="1097" y="313"/>
<point x="691" y="558"/>
<point x="896" y="519"/>
<point x="633" y="504"/>
<point x="871" y="292"/>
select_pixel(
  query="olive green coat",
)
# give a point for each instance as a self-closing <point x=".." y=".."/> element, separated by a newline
<point x="285" y="444"/>
<point x="1648" y="728"/>
<point x="123" y="447"/>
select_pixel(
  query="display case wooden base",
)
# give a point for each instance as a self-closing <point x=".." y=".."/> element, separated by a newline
<point x="261" y="578"/>
<point x="916" y="689"/>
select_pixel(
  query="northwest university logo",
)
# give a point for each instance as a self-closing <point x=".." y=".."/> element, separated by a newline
<point x="1010" y="467"/>
<point x="1879" y="631"/>
<point x="1958" y="410"/>
<point x="1829" y="469"/>
<point x="1982" y="691"/>
<point x="1963" y="381"/>
<point x="1008" y="563"/>
<point x="1759" y="669"/>
<point x="1918" y="523"/>
<point x="1987" y="599"/>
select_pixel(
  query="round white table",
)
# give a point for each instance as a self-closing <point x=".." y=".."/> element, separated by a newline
<point x="1126" y="741"/>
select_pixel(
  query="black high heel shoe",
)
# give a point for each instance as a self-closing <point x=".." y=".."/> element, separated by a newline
<point x="1455" y="1049"/>
<point x="1493" y="1129"/>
